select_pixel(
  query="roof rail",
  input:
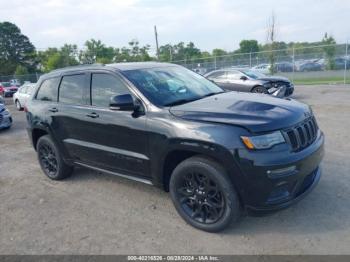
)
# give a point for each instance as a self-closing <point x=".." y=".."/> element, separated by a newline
<point x="76" y="66"/>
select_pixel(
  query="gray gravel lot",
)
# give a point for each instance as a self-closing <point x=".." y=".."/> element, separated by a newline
<point x="92" y="213"/>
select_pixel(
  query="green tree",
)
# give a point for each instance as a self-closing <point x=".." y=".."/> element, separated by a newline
<point x="54" y="58"/>
<point x="218" y="52"/>
<point x="21" y="70"/>
<point x="96" y="51"/>
<point x="248" y="46"/>
<point x="15" y="49"/>
<point x="329" y="50"/>
<point x="165" y="53"/>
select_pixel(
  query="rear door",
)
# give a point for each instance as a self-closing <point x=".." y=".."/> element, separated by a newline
<point x="112" y="140"/>
<point x="219" y="78"/>
<point x="71" y="110"/>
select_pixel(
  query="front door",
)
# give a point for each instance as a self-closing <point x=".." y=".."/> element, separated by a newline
<point x="112" y="140"/>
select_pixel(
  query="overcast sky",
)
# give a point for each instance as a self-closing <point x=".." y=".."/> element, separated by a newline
<point x="208" y="23"/>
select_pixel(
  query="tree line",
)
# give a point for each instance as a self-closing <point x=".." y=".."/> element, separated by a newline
<point x="18" y="56"/>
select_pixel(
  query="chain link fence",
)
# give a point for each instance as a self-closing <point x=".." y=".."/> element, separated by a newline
<point x="323" y="64"/>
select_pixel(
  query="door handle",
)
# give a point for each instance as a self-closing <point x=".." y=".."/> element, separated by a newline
<point x="53" y="110"/>
<point x="92" y="115"/>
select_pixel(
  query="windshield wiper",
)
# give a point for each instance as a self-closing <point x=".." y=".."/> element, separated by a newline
<point x="184" y="101"/>
<point x="180" y="102"/>
<point x="213" y="93"/>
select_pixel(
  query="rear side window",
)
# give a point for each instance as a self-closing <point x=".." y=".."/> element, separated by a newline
<point x="71" y="89"/>
<point x="103" y="87"/>
<point x="218" y="74"/>
<point x="48" y="90"/>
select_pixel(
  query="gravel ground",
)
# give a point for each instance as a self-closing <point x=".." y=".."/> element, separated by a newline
<point x="92" y="213"/>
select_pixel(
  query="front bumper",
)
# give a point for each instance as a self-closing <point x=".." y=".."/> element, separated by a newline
<point x="282" y="91"/>
<point x="295" y="175"/>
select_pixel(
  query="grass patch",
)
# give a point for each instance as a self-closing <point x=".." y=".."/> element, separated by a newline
<point x="319" y="81"/>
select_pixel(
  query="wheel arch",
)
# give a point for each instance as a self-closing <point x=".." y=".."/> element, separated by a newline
<point x="36" y="134"/>
<point x="255" y="86"/>
<point x="212" y="151"/>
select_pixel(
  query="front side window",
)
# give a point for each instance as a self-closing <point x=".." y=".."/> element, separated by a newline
<point x="233" y="75"/>
<point x="172" y="85"/>
<point x="71" y="89"/>
<point x="103" y="87"/>
<point x="48" y="90"/>
<point x="252" y="74"/>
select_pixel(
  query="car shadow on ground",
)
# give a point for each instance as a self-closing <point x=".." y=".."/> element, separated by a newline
<point x="314" y="214"/>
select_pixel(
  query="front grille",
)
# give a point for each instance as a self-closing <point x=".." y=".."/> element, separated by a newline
<point x="302" y="135"/>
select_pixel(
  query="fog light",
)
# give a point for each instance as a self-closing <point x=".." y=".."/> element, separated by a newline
<point x="283" y="172"/>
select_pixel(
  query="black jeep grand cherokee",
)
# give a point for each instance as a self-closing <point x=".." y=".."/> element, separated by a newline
<point x="217" y="153"/>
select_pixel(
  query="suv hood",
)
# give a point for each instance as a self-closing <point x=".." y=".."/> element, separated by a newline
<point x="255" y="112"/>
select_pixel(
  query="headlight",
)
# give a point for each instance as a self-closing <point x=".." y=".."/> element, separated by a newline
<point x="267" y="85"/>
<point x="6" y="112"/>
<point x="263" y="141"/>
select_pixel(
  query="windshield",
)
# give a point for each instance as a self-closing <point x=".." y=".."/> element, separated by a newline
<point x="253" y="74"/>
<point x="169" y="86"/>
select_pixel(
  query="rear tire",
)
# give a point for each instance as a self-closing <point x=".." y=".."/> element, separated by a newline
<point x="260" y="90"/>
<point x="18" y="105"/>
<point x="50" y="159"/>
<point x="203" y="194"/>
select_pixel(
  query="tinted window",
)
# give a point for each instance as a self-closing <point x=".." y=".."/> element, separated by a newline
<point x="172" y="85"/>
<point x="48" y="90"/>
<point x="71" y="89"/>
<point x="103" y="87"/>
<point x="219" y="74"/>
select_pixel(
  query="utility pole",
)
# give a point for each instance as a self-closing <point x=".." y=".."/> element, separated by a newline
<point x="156" y="35"/>
<point x="346" y="60"/>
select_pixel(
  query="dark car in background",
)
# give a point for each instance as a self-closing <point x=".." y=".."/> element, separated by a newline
<point x="7" y="89"/>
<point x="246" y="80"/>
<point x="217" y="152"/>
<point x="341" y="62"/>
<point x="309" y="66"/>
<point x="284" y="67"/>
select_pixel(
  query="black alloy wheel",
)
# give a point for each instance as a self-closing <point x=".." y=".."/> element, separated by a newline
<point x="203" y="194"/>
<point x="201" y="198"/>
<point x="50" y="159"/>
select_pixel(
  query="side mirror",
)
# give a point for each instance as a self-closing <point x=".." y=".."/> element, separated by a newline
<point x="243" y="78"/>
<point x="122" y="103"/>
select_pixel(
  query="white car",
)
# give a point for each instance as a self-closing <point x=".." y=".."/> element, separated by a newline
<point x="262" y="68"/>
<point x="21" y="97"/>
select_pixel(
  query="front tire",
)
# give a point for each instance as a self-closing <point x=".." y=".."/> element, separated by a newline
<point x="203" y="194"/>
<point x="260" y="90"/>
<point x="50" y="159"/>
